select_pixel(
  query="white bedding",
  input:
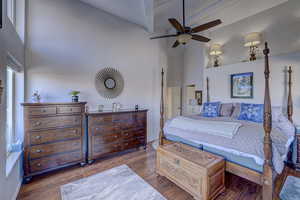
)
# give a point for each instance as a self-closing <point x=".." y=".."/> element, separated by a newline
<point x="248" y="141"/>
<point x="218" y="128"/>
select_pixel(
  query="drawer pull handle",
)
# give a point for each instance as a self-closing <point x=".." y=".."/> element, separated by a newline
<point x="115" y="136"/>
<point x="39" y="164"/>
<point x="37" y="124"/>
<point x="38" y="151"/>
<point x="71" y="109"/>
<point x="44" y="111"/>
<point x="38" y="137"/>
<point x="74" y="131"/>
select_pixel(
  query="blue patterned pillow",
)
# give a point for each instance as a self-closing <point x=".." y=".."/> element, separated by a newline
<point x="252" y="112"/>
<point x="211" y="109"/>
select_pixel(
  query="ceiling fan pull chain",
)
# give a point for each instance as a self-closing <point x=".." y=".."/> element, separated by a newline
<point x="183" y="8"/>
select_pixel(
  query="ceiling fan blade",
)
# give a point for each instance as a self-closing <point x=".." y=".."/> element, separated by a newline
<point x="176" y="25"/>
<point x="206" y="26"/>
<point x="200" y="38"/>
<point x="163" y="36"/>
<point x="175" y="44"/>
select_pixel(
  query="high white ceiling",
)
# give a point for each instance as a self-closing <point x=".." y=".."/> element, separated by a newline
<point x="139" y="12"/>
<point x="153" y="14"/>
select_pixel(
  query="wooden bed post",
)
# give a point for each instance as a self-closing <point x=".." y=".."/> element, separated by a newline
<point x="267" y="177"/>
<point x="161" y="133"/>
<point x="290" y="101"/>
<point x="207" y="90"/>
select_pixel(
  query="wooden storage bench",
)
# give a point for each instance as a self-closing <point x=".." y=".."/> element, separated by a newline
<point x="200" y="173"/>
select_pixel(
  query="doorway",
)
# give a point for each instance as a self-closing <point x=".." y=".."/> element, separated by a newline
<point x="174" y="101"/>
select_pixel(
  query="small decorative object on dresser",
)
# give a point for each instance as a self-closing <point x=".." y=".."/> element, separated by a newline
<point x="54" y="136"/>
<point x="36" y="97"/>
<point x="298" y="147"/>
<point x="242" y="85"/>
<point x="1" y="91"/>
<point x="200" y="173"/>
<point x="75" y="94"/>
<point x="112" y="132"/>
<point x="198" y="97"/>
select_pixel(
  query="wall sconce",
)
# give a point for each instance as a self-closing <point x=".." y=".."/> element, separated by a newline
<point x="215" y="51"/>
<point x="1" y="91"/>
<point x="252" y="40"/>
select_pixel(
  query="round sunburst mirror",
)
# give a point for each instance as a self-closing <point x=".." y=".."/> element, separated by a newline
<point x="109" y="83"/>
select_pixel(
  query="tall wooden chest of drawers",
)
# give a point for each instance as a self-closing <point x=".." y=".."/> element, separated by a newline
<point x="112" y="132"/>
<point x="54" y="136"/>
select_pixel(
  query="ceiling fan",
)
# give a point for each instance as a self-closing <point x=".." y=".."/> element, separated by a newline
<point x="185" y="33"/>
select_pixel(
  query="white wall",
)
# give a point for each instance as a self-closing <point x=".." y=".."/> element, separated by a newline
<point x="10" y="43"/>
<point x="193" y="72"/>
<point x="69" y="42"/>
<point x="279" y="27"/>
<point x="220" y="81"/>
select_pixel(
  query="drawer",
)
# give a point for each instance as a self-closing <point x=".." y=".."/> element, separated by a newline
<point x="102" y="130"/>
<point x="111" y="138"/>
<point x="128" y="134"/>
<point x="125" y="125"/>
<point x="54" y="122"/>
<point x="120" y="117"/>
<point x="140" y="115"/>
<point x="54" y="135"/>
<point x="104" y="149"/>
<point x="40" y="110"/>
<point x="69" y="109"/>
<point x="54" y="161"/>
<point x="39" y="151"/>
<point x="132" y="144"/>
<point x="100" y="120"/>
<point x="139" y="132"/>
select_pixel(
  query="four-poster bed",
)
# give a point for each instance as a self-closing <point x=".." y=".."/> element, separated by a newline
<point x="267" y="174"/>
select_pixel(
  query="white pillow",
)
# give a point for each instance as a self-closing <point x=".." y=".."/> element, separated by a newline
<point x="286" y="126"/>
<point x="276" y="113"/>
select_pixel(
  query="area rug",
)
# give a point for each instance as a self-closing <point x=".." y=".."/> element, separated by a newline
<point x="119" y="183"/>
<point x="290" y="189"/>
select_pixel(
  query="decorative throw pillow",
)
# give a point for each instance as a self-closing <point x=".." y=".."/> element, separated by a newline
<point x="226" y="109"/>
<point x="211" y="109"/>
<point x="252" y="112"/>
<point x="236" y="110"/>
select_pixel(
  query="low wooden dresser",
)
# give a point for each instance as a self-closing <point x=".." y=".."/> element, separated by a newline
<point x="200" y="173"/>
<point x="112" y="132"/>
<point x="54" y="136"/>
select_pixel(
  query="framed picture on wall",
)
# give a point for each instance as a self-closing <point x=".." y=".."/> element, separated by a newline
<point x="242" y="85"/>
<point x="198" y="97"/>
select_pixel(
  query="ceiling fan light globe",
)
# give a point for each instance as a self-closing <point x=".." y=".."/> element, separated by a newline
<point x="184" y="38"/>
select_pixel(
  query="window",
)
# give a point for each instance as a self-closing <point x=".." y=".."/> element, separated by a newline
<point x="11" y="11"/>
<point x="10" y="109"/>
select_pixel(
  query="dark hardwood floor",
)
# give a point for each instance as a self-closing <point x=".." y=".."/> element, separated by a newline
<point x="46" y="187"/>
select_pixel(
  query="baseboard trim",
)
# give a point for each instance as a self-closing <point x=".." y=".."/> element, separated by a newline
<point x="17" y="191"/>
